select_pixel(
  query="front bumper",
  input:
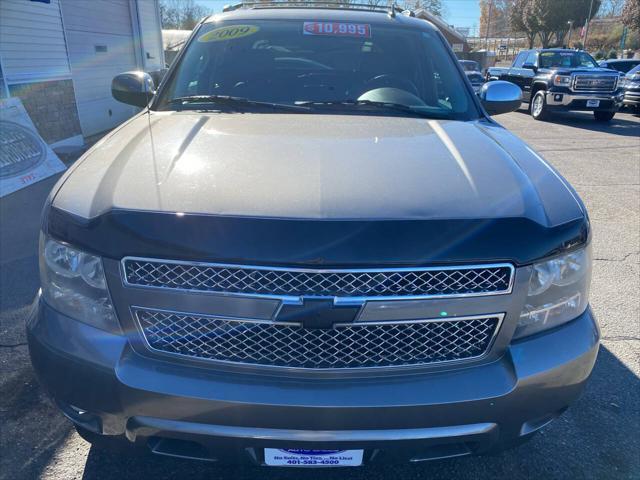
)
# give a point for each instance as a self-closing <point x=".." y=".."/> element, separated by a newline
<point x="567" y="100"/>
<point x="632" y="97"/>
<point x="411" y="417"/>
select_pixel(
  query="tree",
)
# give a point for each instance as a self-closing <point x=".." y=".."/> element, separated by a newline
<point x="494" y="18"/>
<point x="571" y="12"/>
<point x="181" y="14"/>
<point x="631" y="14"/>
<point x="519" y="21"/>
<point x="549" y="18"/>
<point x="539" y="15"/>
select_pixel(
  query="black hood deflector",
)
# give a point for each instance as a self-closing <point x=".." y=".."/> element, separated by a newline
<point x="327" y="243"/>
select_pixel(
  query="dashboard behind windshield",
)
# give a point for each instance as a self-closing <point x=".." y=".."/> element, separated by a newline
<point x="298" y="62"/>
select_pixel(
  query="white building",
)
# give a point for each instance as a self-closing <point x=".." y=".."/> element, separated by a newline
<point x="59" y="57"/>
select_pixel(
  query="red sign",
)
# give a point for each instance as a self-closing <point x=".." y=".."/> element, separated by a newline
<point x="337" y="29"/>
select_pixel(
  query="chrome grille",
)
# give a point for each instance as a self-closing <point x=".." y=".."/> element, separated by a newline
<point x="595" y="83"/>
<point x="448" y="281"/>
<point x="355" y="345"/>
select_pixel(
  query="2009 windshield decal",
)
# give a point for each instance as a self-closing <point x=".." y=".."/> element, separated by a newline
<point x="337" y="29"/>
<point x="230" y="32"/>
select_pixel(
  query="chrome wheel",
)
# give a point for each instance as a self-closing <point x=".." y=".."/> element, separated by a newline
<point x="538" y="105"/>
<point x="539" y="109"/>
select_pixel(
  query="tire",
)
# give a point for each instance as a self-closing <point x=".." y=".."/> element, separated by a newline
<point x="603" y="116"/>
<point x="538" y="106"/>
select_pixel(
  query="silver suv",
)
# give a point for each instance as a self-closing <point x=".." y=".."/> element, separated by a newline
<point x="313" y="247"/>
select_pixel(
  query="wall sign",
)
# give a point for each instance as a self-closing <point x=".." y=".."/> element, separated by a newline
<point x="24" y="157"/>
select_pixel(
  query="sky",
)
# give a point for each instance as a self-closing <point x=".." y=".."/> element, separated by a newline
<point x="460" y="13"/>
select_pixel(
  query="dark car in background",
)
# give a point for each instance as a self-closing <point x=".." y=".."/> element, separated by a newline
<point x="473" y="71"/>
<point x="557" y="79"/>
<point x="313" y="247"/>
<point x="620" y="65"/>
<point x="632" y="89"/>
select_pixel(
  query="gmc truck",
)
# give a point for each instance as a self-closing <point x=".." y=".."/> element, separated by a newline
<point x="558" y="79"/>
<point x="313" y="248"/>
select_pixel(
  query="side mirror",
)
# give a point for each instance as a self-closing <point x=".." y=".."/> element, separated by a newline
<point x="500" y="97"/>
<point x="133" y="88"/>
<point x="530" y="66"/>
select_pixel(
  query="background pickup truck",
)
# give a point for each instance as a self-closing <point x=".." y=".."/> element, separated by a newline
<point x="559" y="79"/>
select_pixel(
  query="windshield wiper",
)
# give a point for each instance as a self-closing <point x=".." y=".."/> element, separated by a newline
<point x="234" y="102"/>
<point x="398" y="107"/>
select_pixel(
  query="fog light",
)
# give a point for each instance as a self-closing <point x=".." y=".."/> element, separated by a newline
<point x="557" y="97"/>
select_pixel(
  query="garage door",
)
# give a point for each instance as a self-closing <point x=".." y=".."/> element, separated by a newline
<point x="100" y="43"/>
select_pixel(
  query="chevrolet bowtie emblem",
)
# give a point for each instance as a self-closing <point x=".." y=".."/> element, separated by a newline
<point x="318" y="313"/>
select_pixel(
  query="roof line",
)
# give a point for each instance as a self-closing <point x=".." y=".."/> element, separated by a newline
<point x="314" y="4"/>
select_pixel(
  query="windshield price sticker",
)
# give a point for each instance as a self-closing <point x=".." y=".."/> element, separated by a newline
<point x="362" y="30"/>
<point x="312" y="458"/>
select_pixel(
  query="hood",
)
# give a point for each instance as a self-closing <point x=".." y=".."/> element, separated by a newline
<point x="311" y="166"/>
<point x="569" y="71"/>
<point x="315" y="189"/>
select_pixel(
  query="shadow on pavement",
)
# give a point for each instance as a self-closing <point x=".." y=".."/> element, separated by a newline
<point x="596" y="438"/>
<point x="584" y="120"/>
<point x="31" y="429"/>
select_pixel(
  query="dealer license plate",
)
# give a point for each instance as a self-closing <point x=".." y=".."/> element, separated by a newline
<point x="295" y="457"/>
<point x="593" y="103"/>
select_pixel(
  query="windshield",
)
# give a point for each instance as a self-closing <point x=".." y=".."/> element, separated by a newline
<point x="349" y="67"/>
<point x="470" y="66"/>
<point x="567" y="59"/>
<point x="634" y="72"/>
<point x="624" y="66"/>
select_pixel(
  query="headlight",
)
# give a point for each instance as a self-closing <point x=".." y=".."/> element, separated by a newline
<point x="562" y="80"/>
<point x="73" y="283"/>
<point x="558" y="292"/>
<point x="621" y="82"/>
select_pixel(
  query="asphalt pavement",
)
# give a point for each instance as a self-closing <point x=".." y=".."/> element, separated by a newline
<point x="596" y="438"/>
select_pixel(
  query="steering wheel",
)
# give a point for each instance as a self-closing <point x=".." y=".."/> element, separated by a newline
<point x="391" y="80"/>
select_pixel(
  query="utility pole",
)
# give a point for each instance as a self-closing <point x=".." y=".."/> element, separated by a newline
<point x="486" y="38"/>
<point x="586" y="27"/>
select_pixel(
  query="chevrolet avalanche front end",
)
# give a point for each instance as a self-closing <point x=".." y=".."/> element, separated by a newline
<point x="314" y="248"/>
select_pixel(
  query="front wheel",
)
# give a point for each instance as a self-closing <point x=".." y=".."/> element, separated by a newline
<point x="539" y="109"/>
<point x="603" y="116"/>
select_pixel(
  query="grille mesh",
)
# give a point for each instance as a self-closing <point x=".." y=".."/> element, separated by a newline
<point x="595" y="83"/>
<point x="334" y="283"/>
<point x="355" y="345"/>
